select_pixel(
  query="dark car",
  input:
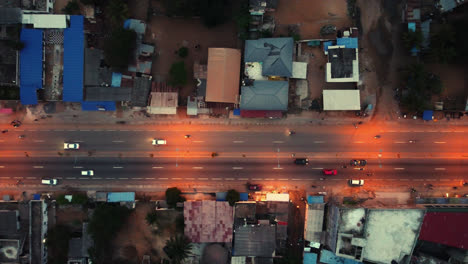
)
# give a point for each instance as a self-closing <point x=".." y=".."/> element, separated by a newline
<point x="254" y="187"/>
<point x="358" y="163"/>
<point x="302" y="161"/>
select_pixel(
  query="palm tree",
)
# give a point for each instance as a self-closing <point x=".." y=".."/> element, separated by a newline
<point x="177" y="248"/>
<point x="118" y="12"/>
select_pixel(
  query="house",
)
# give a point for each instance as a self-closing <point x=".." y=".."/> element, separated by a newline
<point x="208" y="221"/>
<point x="343" y="61"/>
<point x="163" y="103"/>
<point x="334" y="100"/>
<point x="265" y="95"/>
<point x="36" y="6"/>
<point x="269" y="57"/>
<point x="373" y="235"/>
<point x="313" y="229"/>
<point x="223" y="75"/>
<point x="10" y="15"/>
<point x="449" y="5"/>
<point x="447" y="228"/>
<point x="78" y="247"/>
<point x="260" y="7"/>
<point x="143" y="57"/>
<point x="254" y="241"/>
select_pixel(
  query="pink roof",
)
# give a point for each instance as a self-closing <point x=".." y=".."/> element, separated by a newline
<point x="446" y="228"/>
<point x="208" y="221"/>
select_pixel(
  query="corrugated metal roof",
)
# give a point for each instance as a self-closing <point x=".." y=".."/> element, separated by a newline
<point x="116" y="79"/>
<point x="114" y="197"/>
<point x="256" y="240"/>
<point x="310" y="258"/>
<point x="73" y="60"/>
<point x="223" y="77"/>
<point x="314" y="199"/>
<point x="265" y="95"/>
<point x="10" y="15"/>
<point x="30" y="65"/>
<point x="446" y="228"/>
<point x="350" y="43"/>
<point x="275" y="54"/>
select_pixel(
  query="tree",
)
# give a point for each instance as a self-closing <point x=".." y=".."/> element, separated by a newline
<point x="182" y="52"/>
<point x="151" y="218"/>
<point x="177" y="248"/>
<point x="178" y="74"/>
<point x="443" y="45"/>
<point x="106" y="221"/>
<point x="89" y="2"/>
<point x="232" y="197"/>
<point x="212" y="12"/>
<point x="72" y="8"/>
<point x="79" y="198"/>
<point x="412" y="39"/>
<point x="61" y="200"/>
<point x="117" y="11"/>
<point x="119" y="48"/>
<point x="57" y="243"/>
<point x="173" y="196"/>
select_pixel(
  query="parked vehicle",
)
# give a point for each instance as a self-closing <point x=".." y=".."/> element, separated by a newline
<point x="71" y="146"/>
<point x="49" y="181"/>
<point x="329" y="172"/>
<point x="301" y="161"/>
<point x="356" y="182"/>
<point x="159" y="142"/>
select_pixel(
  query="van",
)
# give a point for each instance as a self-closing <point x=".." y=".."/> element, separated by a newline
<point x="49" y="181"/>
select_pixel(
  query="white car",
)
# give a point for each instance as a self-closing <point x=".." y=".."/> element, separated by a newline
<point x="356" y="182"/>
<point x="159" y="142"/>
<point x="87" y="172"/>
<point x="71" y="146"/>
<point x="49" y="181"/>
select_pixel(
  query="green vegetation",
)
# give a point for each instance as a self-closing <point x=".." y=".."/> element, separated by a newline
<point x="412" y="39"/>
<point x="212" y="12"/>
<point x="183" y="52"/>
<point x="421" y="86"/>
<point x="119" y="48"/>
<point x="232" y="197"/>
<point x="57" y="244"/>
<point x="117" y="11"/>
<point x="106" y="221"/>
<point x="242" y="19"/>
<point x="151" y="218"/>
<point x="177" y="248"/>
<point x="72" y="8"/>
<point x="173" y="196"/>
<point x="443" y="45"/>
<point x="76" y="199"/>
<point x="178" y="74"/>
<point x="9" y="93"/>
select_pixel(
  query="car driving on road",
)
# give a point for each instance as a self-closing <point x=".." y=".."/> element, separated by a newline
<point x="87" y="172"/>
<point x="358" y="162"/>
<point x="356" y="182"/>
<point x="159" y="142"/>
<point x="71" y="146"/>
<point x="301" y="161"/>
<point x="254" y="187"/>
<point x="329" y="172"/>
<point x="49" y="181"/>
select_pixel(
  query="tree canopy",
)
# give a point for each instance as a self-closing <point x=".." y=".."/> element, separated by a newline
<point x="117" y="10"/>
<point x="72" y="8"/>
<point x="443" y="44"/>
<point x="178" y="74"/>
<point x="177" y="248"/>
<point x="232" y="197"/>
<point x="119" y="48"/>
<point x="212" y="12"/>
<point x="57" y="243"/>
<point x="151" y="218"/>
<point x="106" y="221"/>
<point x="173" y="196"/>
<point x="412" y="39"/>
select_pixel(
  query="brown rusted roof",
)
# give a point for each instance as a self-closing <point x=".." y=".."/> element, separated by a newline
<point x="223" y="75"/>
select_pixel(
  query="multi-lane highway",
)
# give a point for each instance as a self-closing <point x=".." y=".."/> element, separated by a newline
<point x="245" y="155"/>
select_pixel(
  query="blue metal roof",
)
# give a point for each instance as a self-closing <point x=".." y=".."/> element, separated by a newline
<point x="73" y="60"/>
<point x="30" y="65"/>
<point x="310" y="258"/>
<point x="94" y="106"/>
<point x="327" y="44"/>
<point x="244" y="196"/>
<point x="115" y="197"/>
<point x="36" y="196"/>
<point x="314" y="199"/>
<point x="350" y="43"/>
<point x="221" y="196"/>
<point x="427" y="115"/>
<point x="329" y="257"/>
<point x="116" y="79"/>
<point x="412" y="26"/>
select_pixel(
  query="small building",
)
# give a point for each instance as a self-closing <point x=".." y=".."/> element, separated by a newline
<point x="265" y="95"/>
<point x="163" y="103"/>
<point x="260" y="7"/>
<point x="341" y="100"/>
<point x="273" y="56"/>
<point x="315" y="210"/>
<point x="45" y="20"/>
<point x="143" y="57"/>
<point x="223" y="76"/>
<point x="117" y="197"/>
<point x="342" y="65"/>
<point x="447" y="228"/>
<point x="78" y="247"/>
<point x="9" y="222"/>
<point x="10" y="15"/>
<point x="254" y="241"/>
<point x="208" y="221"/>
<point x="31" y="65"/>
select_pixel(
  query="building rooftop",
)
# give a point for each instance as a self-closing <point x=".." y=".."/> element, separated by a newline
<point x="314" y="222"/>
<point x="342" y="65"/>
<point x="352" y="221"/>
<point x="275" y="54"/>
<point x="447" y="228"/>
<point x="9" y="250"/>
<point x="10" y="15"/>
<point x="254" y="240"/>
<point x="261" y="6"/>
<point x="73" y="60"/>
<point x="208" y="221"/>
<point x="265" y="95"/>
<point x="120" y="197"/>
<point x="30" y="65"/>
<point x="103" y="93"/>
<point x="140" y="91"/>
<point x="9" y="222"/>
<point x="96" y="74"/>
<point x="45" y="20"/>
<point x="222" y="84"/>
<point x="334" y="100"/>
<point x="163" y="103"/>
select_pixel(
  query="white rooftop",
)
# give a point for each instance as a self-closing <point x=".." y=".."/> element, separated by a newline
<point x="299" y="70"/>
<point x="341" y="100"/>
<point x="254" y="71"/>
<point x="351" y="220"/>
<point x="45" y="20"/>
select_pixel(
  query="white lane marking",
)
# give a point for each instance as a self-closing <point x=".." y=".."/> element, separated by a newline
<point x="440" y="142"/>
<point x="197" y="168"/>
<point x="190" y="178"/>
<point x="158" y="167"/>
<point x="30" y="177"/>
<point x="177" y="178"/>
<point x="283" y="179"/>
<point x="110" y="178"/>
<point x="198" y="141"/>
<point x="257" y="179"/>
<point x="243" y="179"/>
<point x="71" y="178"/>
<point x="111" y="130"/>
<point x="297" y="179"/>
<point x="238" y="141"/>
<point x="85" y="130"/>
<point x="97" y="178"/>
<point x="117" y="167"/>
<point x="398" y="168"/>
<point x="317" y="168"/>
<point x="229" y="179"/>
<point x="38" y="140"/>
<point x="83" y="178"/>
<point x="216" y="179"/>
<point x="137" y="178"/>
<point x="439" y="169"/>
<point x="38" y="167"/>
<point x="404" y="180"/>
<point x="278" y="141"/>
<point x="70" y="130"/>
<point x="358" y="142"/>
<point x="79" y="141"/>
<point x="118" y="141"/>
<point x="77" y="167"/>
<point x="277" y="168"/>
<point x="400" y="142"/>
<point x="446" y="131"/>
<point x="1" y="167"/>
<point x="203" y="179"/>
<point x="319" y="142"/>
<point x="149" y="178"/>
<point x="269" y="179"/>
<point x="459" y="131"/>
<point x="237" y="168"/>
<point x="18" y="177"/>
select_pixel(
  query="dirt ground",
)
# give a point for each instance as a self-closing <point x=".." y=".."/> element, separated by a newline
<point x="169" y="34"/>
<point x="138" y="237"/>
<point x="59" y="5"/>
<point x="71" y="215"/>
<point x="310" y="16"/>
<point x="453" y="78"/>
